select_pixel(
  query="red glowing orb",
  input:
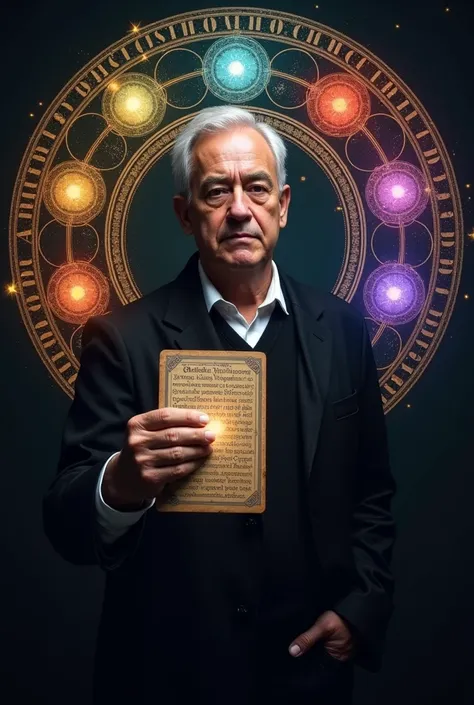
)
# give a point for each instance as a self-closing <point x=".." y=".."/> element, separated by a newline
<point x="78" y="291"/>
<point x="338" y="105"/>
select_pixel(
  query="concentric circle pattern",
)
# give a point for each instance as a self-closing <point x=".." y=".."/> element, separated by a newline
<point x="77" y="291"/>
<point x="394" y="294"/>
<point x="74" y="192"/>
<point x="397" y="193"/>
<point x="338" y="105"/>
<point x="236" y="70"/>
<point x="134" y="105"/>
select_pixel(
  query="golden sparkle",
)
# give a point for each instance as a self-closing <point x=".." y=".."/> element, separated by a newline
<point x="31" y="115"/>
<point x="397" y="26"/>
<point x="302" y="178"/>
<point x="468" y="185"/>
<point x="447" y="9"/>
<point x="40" y="103"/>
<point x="471" y="235"/>
<point x="339" y="208"/>
<point x="466" y="296"/>
<point x="135" y="28"/>
<point x="217" y="426"/>
<point x="11" y="289"/>
<point x="408" y="406"/>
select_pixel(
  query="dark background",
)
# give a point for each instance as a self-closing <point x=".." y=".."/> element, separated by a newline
<point x="51" y="608"/>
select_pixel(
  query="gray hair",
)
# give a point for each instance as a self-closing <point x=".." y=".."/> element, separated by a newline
<point x="219" y="119"/>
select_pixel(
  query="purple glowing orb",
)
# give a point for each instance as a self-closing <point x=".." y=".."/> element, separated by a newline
<point x="397" y="193"/>
<point x="394" y="294"/>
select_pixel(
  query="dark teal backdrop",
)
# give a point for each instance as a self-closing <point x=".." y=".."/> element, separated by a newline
<point x="51" y="608"/>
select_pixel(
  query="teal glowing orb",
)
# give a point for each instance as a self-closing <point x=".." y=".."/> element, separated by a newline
<point x="236" y="70"/>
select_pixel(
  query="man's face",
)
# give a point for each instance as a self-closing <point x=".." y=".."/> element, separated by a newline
<point x="236" y="210"/>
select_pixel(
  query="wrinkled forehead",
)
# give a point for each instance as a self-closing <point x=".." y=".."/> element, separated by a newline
<point x="238" y="150"/>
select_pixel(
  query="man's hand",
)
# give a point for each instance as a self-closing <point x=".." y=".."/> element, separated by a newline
<point x="333" y="630"/>
<point x="161" y="446"/>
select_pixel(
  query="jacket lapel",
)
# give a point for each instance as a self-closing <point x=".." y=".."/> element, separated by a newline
<point x="314" y="366"/>
<point x="193" y="330"/>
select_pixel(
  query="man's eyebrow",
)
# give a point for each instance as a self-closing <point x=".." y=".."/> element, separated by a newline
<point x="210" y="181"/>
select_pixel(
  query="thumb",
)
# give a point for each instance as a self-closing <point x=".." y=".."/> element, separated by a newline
<point x="307" y="639"/>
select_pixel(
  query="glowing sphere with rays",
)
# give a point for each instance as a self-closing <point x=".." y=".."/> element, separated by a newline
<point x="397" y="193"/>
<point x="394" y="294"/>
<point x="77" y="291"/>
<point x="338" y="105"/>
<point x="236" y="69"/>
<point x="74" y="193"/>
<point x="134" y="104"/>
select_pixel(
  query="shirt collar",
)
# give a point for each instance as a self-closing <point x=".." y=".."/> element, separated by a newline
<point x="274" y="293"/>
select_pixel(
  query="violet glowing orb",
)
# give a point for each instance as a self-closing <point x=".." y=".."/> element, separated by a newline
<point x="394" y="294"/>
<point x="397" y="193"/>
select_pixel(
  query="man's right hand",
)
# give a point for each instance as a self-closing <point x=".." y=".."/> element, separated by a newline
<point x="162" y="446"/>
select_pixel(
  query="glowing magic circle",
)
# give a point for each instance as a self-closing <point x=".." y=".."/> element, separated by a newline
<point x="393" y="201"/>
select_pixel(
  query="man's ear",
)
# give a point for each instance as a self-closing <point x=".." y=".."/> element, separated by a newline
<point x="285" y="198"/>
<point x="181" y="208"/>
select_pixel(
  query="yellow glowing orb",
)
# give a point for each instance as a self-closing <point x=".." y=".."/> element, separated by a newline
<point x="134" y="105"/>
<point x="74" y="192"/>
<point x="339" y="105"/>
<point x="78" y="293"/>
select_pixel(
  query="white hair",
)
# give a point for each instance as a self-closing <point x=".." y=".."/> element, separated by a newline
<point x="220" y="118"/>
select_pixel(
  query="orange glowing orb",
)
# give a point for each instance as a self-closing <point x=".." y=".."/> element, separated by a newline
<point x="338" y="105"/>
<point x="78" y="291"/>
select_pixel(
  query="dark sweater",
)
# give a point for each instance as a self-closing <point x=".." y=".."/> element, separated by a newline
<point x="284" y="572"/>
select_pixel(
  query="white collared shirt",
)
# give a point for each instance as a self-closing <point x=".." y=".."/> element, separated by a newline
<point x="250" y="332"/>
<point x="114" y="523"/>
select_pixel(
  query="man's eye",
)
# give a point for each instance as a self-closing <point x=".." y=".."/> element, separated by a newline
<point x="257" y="188"/>
<point x="216" y="192"/>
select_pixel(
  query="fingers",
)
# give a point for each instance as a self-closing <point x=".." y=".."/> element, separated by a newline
<point x="331" y="629"/>
<point x="307" y="639"/>
<point x="180" y="436"/>
<point x="157" y="419"/>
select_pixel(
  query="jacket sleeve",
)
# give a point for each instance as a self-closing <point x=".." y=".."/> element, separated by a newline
<point x="94" y="429"/>
<point x="369" y="606"/>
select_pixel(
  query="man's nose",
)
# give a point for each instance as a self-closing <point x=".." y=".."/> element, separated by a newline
<point x="238" y="208"/>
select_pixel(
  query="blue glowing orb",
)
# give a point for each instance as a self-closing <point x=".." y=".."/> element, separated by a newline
<point x="236" y="70"/>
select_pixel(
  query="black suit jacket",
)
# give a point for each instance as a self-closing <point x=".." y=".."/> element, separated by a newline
<point x="345" y="448"/>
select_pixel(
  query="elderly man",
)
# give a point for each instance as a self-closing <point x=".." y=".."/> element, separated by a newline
<point x="215" y="608"/>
